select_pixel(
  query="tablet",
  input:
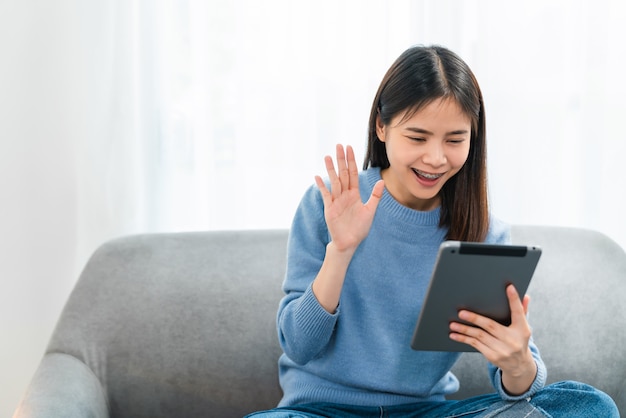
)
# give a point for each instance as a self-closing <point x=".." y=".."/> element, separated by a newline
<point x="471" y="276"/>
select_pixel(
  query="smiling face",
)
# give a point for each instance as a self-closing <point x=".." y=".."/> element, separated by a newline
<point x="424" y="150"/>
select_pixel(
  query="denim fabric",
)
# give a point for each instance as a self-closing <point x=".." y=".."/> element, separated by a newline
<point x="559" y="400"/>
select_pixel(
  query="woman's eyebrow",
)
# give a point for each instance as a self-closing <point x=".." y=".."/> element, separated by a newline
<point x="427" y="132"/>
<point x="418" y="130"/>
<point x="459" y="132"/>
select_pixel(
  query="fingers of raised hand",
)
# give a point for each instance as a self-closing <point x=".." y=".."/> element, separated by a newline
<point x="335" y="182"/>
<point x="346" y="175"/>
<point x="342" y="167"/>
<point x="326" y="197"/>
<point x="377" y="194"/>
<point x="353" y="170"/>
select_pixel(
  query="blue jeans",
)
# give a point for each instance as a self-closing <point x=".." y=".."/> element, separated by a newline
<point x="563" y="399"/>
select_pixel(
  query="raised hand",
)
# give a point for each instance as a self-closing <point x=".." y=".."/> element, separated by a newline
<point x="349" y="221"/>
<point x="505" y="347"/>
<point x="347" y="217"/>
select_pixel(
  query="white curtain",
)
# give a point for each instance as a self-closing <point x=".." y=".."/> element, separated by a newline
<point x="131" y="116"/>
<point x="254" y="94"/>
<point x="234" y="104"/>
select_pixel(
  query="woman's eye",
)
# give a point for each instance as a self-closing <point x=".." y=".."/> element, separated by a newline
<point x="417" y="139"/>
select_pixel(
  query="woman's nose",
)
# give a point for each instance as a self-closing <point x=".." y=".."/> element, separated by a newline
<point x="435" y="155"/>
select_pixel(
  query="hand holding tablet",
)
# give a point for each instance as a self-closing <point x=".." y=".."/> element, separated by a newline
<point x="473" y="277"/>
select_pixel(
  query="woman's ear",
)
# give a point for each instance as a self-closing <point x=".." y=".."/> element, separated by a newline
<point x="380" y="129"/>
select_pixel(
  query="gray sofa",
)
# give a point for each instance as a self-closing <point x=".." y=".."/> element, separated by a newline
<point x="183" y="325"/>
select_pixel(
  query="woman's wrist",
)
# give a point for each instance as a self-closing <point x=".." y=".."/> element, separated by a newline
<point x="520" y="380"/>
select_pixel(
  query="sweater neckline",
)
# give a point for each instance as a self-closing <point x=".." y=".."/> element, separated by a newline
<point x="398" y="210"/>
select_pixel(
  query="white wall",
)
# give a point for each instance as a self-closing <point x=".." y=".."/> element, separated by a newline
<point x="37" y="184"/>
<point x="48" y="108"/>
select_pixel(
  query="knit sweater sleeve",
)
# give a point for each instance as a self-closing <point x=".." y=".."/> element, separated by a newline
<point x="499" y="233"/>
<point x="304" y="326"/>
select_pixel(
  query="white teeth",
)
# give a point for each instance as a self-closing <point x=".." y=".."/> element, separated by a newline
<point x="428" y="175"/>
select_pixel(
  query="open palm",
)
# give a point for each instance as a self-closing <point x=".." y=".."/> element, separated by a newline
<point x="347" y="217"/>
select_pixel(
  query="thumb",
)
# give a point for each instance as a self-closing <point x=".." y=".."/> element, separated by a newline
<point x="377" y="194"/>
<point x="519" y="308"/>
<point x="525" y="303"/>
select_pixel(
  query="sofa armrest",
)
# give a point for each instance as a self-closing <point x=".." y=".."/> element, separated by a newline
<point x="63" y="386"/>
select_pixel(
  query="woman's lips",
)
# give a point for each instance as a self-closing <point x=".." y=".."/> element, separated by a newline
<point x="427" y="179"/>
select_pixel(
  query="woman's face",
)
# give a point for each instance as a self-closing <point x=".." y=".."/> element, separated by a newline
<point x="424" y="152"/>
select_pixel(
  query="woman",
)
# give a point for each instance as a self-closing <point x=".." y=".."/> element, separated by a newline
<point x="361" y="250"/>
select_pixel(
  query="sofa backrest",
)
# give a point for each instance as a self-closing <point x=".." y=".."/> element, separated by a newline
<point x="184" y="324"/>
<point x="180" y="324"/>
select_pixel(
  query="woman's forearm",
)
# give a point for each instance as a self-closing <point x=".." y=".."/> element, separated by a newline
<point x="329" y="281"/>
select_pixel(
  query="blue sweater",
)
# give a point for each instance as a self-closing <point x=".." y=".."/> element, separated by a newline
<point x="361" y="354"/>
